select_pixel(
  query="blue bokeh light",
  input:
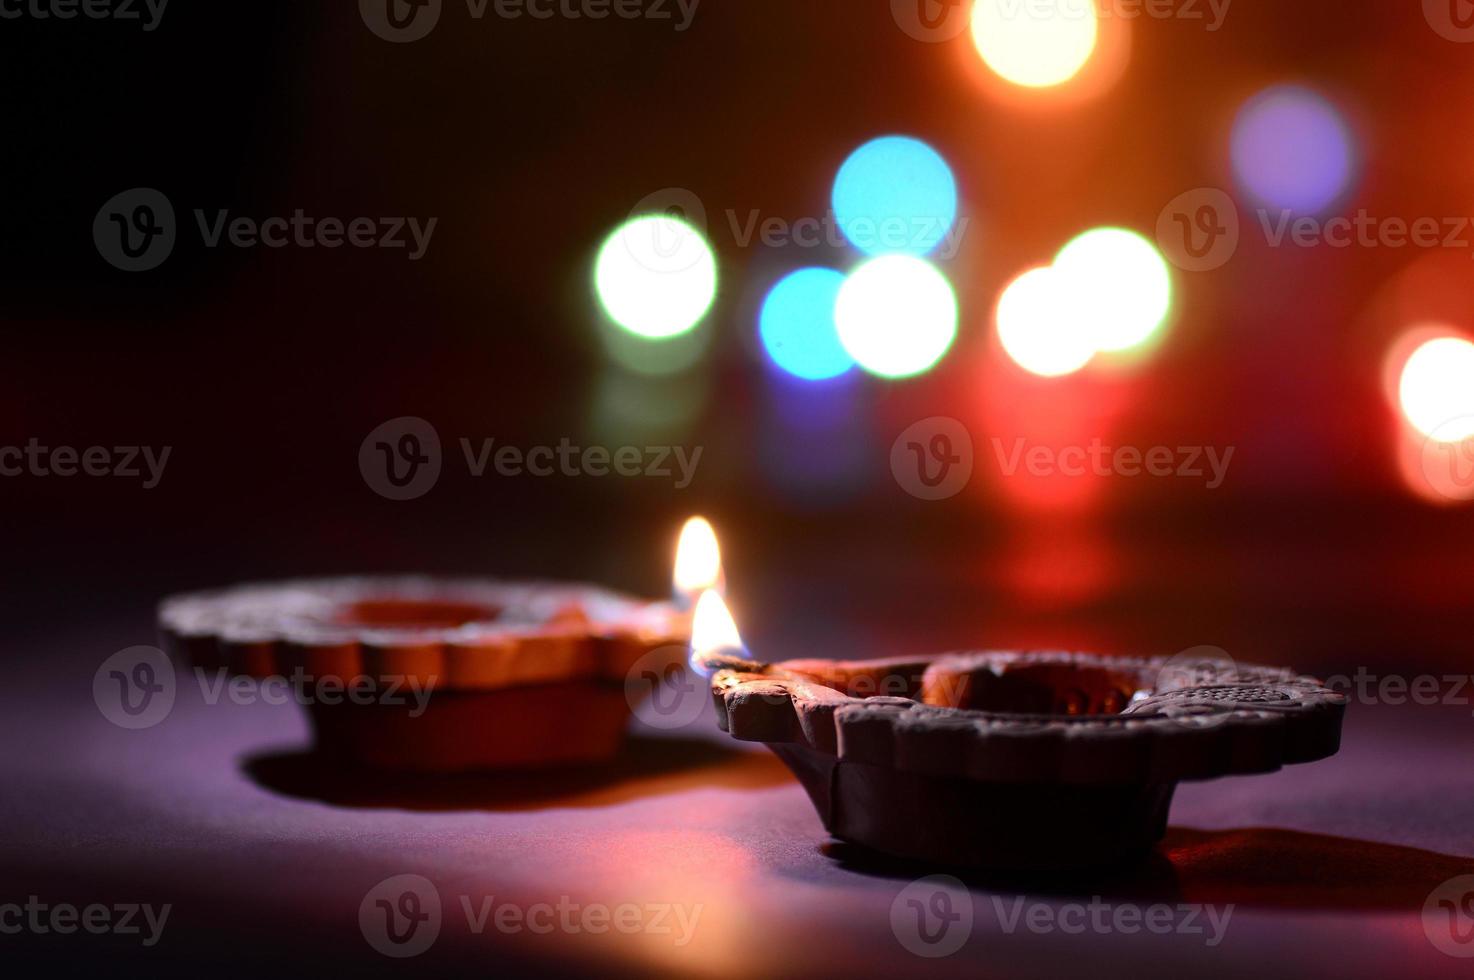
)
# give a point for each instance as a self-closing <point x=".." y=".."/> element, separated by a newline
<point x="797" y="325"/>
<point x="895" y="195"/>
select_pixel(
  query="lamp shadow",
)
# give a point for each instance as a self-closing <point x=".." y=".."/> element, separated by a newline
<point x="1253" y="867"/>
<point x="645" y="767"/>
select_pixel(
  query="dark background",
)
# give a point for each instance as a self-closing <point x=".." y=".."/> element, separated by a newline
<point x="530" y="141"/>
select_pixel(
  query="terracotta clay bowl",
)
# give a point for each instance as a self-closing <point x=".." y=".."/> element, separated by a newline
<point x="1019" y="762"/>
<point x="511" y="675"/>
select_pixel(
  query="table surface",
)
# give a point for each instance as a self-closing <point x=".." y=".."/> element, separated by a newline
<point x="266" y="854"/>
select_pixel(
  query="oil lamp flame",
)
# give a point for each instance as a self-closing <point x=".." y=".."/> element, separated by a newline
<point x="715" y="642"/>
<point x="698" y="562"/>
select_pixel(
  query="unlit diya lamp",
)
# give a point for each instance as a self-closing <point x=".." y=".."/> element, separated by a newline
<point x="1010" y="761"/>
<point x="512" y="674"/>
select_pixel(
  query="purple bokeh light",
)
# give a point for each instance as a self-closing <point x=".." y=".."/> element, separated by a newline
<point x="1292" y="149"/>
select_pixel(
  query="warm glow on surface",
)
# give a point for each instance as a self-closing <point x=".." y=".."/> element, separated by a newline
<point x="698" y="559"/>
<point x="1039" y="326"/>
<point x="1036" y="45"/>
<point x="1120" y="284"/>
<point x="1436" y="390"/>
<point x="656" y="276"/>
<point x="897" y="316"/>
<point x="713" y="631"/>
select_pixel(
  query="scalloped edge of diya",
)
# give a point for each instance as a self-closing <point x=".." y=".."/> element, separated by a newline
<point x="519" y="674"/>
<point x="1018" y="762"/>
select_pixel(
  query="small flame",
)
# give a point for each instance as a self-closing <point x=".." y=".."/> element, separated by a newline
<point x="698" y="561"/>
<point x="713" y="633"/>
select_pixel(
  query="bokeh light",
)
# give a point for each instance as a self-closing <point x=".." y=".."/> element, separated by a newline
<point x="1032" y="44"/>
<point x="1039" y="326"/>
<point x="895" y="195"/>
<point x="797" y="325"/>
<point x="1291" y="149"/>
<point x="1437" y="389"/>
<point x="1120" y="284"/>
<point x="656" y="276"/>
<point x="897" y="316"/>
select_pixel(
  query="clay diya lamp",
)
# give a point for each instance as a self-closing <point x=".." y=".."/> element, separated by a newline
<point x="518" y="674"/>
<point x="1016" y="762"/>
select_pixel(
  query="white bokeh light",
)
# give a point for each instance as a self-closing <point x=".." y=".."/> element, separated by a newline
<point x="1040" y="327"/>
<point x="897" y="316"/>
<point x="1036" y="45"/>
<point x="1437" y="389"/>
<point x="656" y="276"/>
<point x="1121" y="285"/>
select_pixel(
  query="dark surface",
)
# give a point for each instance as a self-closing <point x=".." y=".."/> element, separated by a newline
<point x="266" y="853"/>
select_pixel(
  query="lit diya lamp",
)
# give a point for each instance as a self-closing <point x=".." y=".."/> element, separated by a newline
<point x="698" y="566"/>
<point x="1010" y="761"/>
<point x="440" y="674"/>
